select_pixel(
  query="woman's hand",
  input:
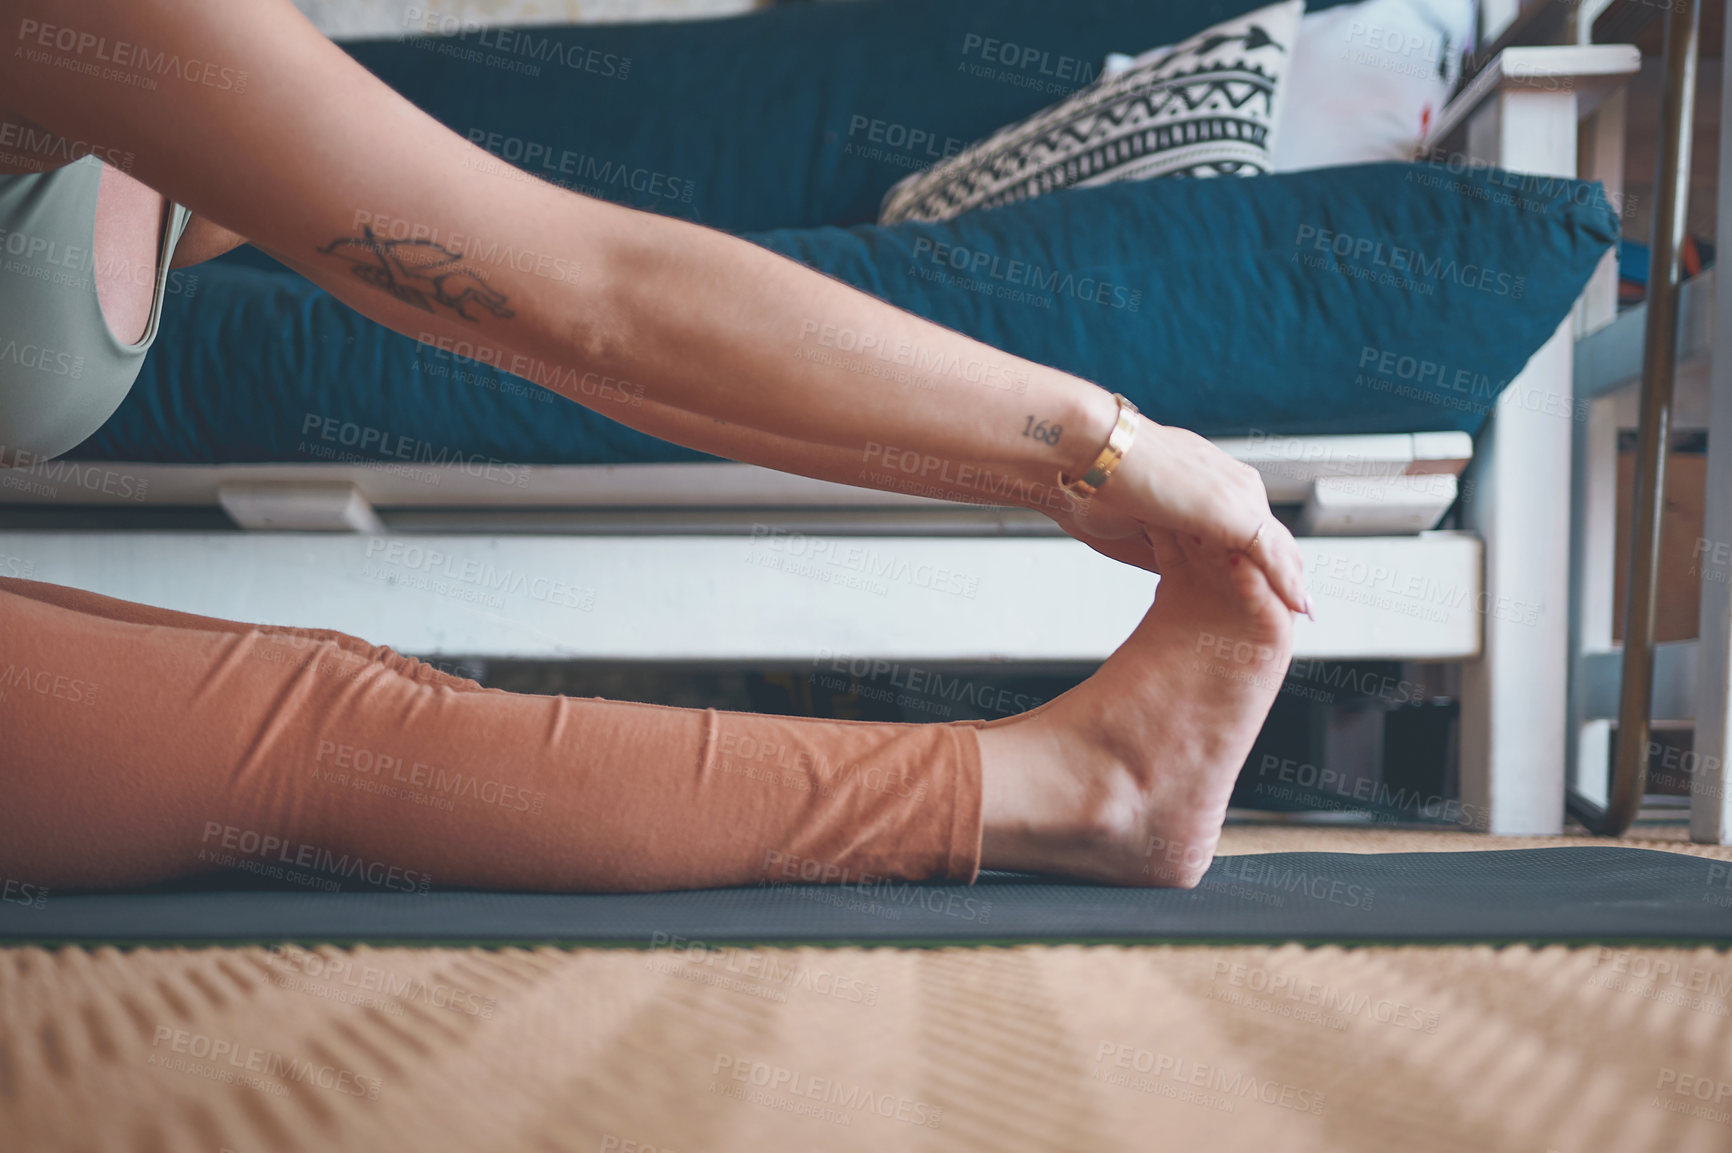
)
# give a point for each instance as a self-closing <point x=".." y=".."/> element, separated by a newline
<point x="1174" y="481"/>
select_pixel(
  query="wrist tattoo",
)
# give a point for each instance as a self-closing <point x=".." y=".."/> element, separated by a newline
<point x="1041" y="431"/>
<point x="419" y="273"/>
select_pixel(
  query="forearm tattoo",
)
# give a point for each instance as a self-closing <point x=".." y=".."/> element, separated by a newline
<point x="1042" y="431"/>
<point x="418" y="272"/>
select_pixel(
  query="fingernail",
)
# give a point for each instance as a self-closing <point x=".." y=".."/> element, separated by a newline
<point x="1308" y="611"/>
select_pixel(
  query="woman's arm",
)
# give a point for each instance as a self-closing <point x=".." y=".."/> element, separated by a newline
<point x="27" y="147"/>
<point x="251" y="118"/>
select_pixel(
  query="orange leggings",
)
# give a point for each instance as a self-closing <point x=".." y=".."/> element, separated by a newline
<point x="140" y="745"/>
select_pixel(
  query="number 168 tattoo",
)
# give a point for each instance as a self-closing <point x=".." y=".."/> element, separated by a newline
<point x="1042" y="431"/>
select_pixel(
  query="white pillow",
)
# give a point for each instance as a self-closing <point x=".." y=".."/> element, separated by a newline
<point x="1207" y="106"/>
<point x="1366" y="81"/>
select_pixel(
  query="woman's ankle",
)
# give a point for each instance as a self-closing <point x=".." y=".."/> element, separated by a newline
<point x="1049" y="798"/>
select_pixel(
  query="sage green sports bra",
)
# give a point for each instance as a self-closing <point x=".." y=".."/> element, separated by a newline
<point x="62" y="370"/>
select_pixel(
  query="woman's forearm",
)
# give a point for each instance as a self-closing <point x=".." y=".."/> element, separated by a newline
<point x="743" y="353"/>
<point x="706" y="340"/>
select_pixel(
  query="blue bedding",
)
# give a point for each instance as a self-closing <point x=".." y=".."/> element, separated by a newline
<point x="794" y="116"/>
<point x="1380" y="298"/>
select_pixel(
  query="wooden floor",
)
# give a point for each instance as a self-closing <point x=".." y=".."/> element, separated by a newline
<point x="1261" y="837"/>
<point x="1086" y="1048"/>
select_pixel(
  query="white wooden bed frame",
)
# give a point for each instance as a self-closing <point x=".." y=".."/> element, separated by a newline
<point x="731" y="564"/>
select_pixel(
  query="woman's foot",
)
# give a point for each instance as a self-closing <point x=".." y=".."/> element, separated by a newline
<point x="1126" y="778"/>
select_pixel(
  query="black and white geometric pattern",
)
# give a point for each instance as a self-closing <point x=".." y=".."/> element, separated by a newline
<point x="1203" y="107"/>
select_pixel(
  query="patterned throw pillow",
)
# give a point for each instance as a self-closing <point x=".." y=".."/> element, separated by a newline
<point x="1206" y="106"/>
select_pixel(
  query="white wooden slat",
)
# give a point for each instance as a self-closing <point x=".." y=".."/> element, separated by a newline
<point x="1593" y="566"/>
<point x="769" y="598"/>
<point x="369" y="19"/>
<point x="1289" y="465"/>
<point x="1390" y="506"/>
<point x="299" y="507"/>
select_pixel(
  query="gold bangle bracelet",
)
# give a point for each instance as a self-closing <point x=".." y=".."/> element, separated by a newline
<point x="1118" y="443"/>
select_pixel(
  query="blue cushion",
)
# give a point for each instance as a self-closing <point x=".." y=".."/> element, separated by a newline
<point x="797" y="115"/>
<point x="1380" y="298"/>
<point x="1371" y="298"/>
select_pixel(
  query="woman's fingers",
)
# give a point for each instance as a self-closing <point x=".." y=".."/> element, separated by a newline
<point x="1276" y="552"/>
<point x="1225" y="501"/>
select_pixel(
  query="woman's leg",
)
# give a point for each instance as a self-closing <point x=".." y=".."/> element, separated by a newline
<point x="95" y="604"/>
<point x="141" y="745"/>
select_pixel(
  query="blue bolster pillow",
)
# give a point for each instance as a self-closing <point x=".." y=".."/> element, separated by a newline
<point x="1381" y="298"/>
<point x="1372" y="298"/>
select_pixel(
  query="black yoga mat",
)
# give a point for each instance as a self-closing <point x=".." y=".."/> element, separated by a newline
<point x="1569" y="895"/>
